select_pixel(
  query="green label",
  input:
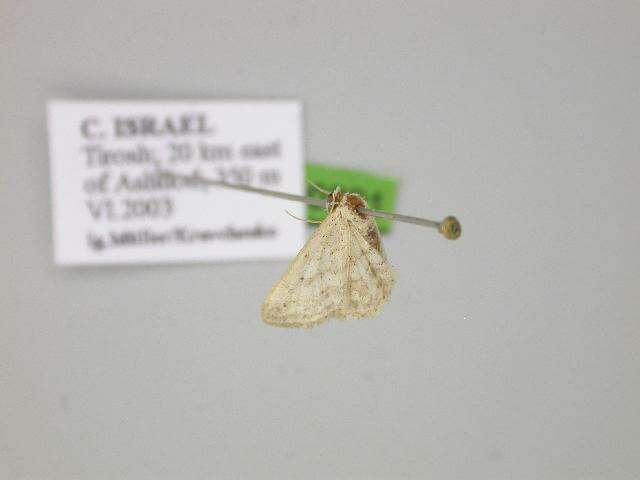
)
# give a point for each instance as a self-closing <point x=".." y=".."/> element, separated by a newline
<point x="377" y="190"/>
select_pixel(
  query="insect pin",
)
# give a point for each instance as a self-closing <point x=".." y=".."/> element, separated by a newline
<point x="342" y="270"/>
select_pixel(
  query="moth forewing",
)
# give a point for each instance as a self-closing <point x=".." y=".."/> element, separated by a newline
<point x="370" y="276"/>
<point x="306" y="291"/>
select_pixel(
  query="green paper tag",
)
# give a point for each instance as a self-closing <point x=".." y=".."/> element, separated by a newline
<point x="377" y="190"/>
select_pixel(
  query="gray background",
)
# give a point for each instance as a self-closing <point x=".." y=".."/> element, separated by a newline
<point x="511" y="353"/>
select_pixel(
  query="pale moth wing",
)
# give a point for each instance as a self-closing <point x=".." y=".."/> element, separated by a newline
<point x="341" y="272"/>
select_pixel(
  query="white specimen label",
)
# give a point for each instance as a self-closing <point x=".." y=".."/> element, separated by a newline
<point x="112" y="205"/>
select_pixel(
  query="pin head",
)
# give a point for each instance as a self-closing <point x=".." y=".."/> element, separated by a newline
<point x="450" y="228"/>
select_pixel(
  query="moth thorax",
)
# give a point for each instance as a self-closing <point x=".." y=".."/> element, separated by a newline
<point x="354" y="201"/>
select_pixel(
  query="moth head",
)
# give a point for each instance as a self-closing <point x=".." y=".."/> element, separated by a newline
<point x="334" y="199"/>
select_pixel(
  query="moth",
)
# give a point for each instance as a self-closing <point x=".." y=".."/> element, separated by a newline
<point x="342" y="271"/>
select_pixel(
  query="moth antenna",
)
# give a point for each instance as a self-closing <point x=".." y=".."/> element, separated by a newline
<point x="302" y="219"/>
<point x="321" y="190"/>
